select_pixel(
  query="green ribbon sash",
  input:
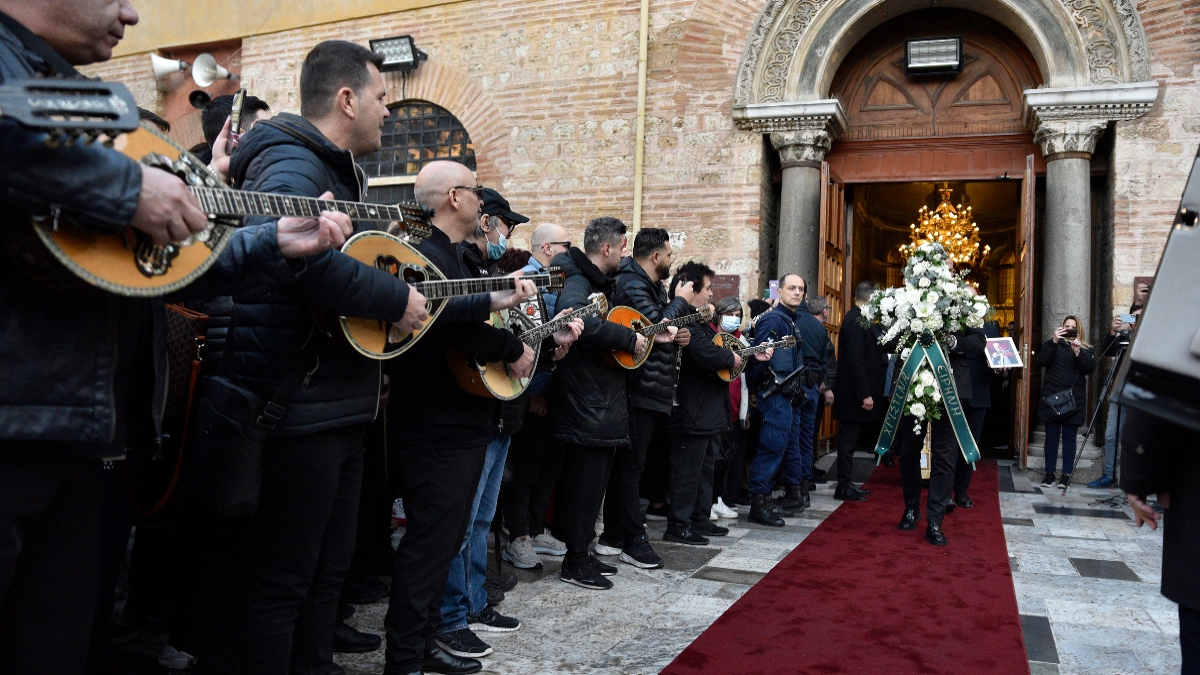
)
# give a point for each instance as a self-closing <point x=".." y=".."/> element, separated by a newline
<point x="928" y="350"/>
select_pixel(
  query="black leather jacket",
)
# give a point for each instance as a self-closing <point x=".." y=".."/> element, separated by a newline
<point x="588" y="404"/>
<point x="703" y="397"/>
<point x="652" y="385"/>
<point x="59" y="354"/>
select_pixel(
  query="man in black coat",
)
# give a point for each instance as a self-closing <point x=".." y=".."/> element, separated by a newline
<point x="71" y="362"/>
<point x="959" y="350"/>
<point x="696" y="422"/>
<point x="443" y="431"/>
<point x="858" y="400"/>
<point x="301" y="539"/>
<point x="1164" y="459"/>
<point x="975" y="407"/>
<point x="639" y="284"/>
<point x="589" y="410"/>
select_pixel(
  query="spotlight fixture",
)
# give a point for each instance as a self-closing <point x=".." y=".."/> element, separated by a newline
<point x="939" y="56"/>
<point x="399" y="53"/>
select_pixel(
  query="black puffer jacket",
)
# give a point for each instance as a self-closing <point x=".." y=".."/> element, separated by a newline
<point x="588" y="399"/>
<point x="651" y="386"/>
<point x="1065" y="370"/>
<point x="271" y="324"/>
<point x="219" y="311"/>
<point x="703" y="397"/>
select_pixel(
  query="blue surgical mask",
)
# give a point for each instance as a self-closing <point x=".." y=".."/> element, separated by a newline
<point x="495" y="251"/>
<point x="730" y="323"/>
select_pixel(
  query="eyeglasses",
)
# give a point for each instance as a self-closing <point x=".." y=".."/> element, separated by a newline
<point x="565" y="244"/>
<point x="477" y="189"/>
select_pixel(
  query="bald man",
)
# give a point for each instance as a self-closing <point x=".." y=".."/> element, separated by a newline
<point x="548" y="240"/>
<point x="442" y="432"/>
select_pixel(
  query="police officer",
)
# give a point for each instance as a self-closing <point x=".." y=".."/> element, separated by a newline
<point x="789" y="413"/>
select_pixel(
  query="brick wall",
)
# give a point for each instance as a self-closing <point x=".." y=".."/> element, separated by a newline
<point x="548" y="91"/>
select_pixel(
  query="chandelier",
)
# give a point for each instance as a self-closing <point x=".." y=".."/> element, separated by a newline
<point x="953" y="228"/>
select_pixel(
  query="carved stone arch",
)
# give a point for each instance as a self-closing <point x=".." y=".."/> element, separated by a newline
<point x="462" y="95"/>
<point x="797" y="45"/>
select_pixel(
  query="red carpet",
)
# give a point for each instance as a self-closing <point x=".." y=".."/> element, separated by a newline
<point x="860" y="596"/>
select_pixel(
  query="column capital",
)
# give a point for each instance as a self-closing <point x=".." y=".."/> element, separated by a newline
<point x="802" y="131"/>
<point x="1071" y="119"/>
<point x="798" y="147"/>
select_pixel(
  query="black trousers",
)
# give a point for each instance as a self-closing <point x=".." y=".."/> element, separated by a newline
<point x="654" y="476"/>
<point x="848" y="437"/>
<point x="373" y="543"/>
<point x="690" y="480"/>
<point x="963" y="470"/>
<point x="439" y="487"/>
<point x="941" y="474"/>
<point x="1189" y="640"/>
<point x="580" y="492"/>
<point x="729" y="474"/>
<point x="536" y="464"/>
<point x="299" y="548"/>
<point x="50" y="541"/>
<point x="622" y="508"/>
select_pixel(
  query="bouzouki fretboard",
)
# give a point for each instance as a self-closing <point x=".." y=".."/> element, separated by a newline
<point x="222" y="202"/>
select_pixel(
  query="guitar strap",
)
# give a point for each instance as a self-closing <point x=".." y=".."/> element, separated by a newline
<point x="38" y="46"/>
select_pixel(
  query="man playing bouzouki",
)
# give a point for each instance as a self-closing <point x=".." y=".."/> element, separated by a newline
<point x="68" y="362"/>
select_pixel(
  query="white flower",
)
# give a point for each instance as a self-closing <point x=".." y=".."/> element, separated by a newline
<point x="931" y="296"/>
<point x="917" y="325"/>
<point x="949" y="287"/>
<point x="980" y="308"/>
<point x="926" y="378"/>
<point x="912" y="295"/>
<point x="905" y="353"/>
<point x="923" y="283"/>
<point x="924" y="309"/>
<point x="921" y="267"/>
<point x="887" y="303"/>
<point x="917" y="409"/>
<point x="936" y="395"/>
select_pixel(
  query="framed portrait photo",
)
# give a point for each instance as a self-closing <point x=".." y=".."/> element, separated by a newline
<point x="1002" y="353"/>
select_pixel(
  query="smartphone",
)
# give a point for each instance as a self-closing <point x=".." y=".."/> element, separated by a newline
<point x="235" y="115"/>
<point x="773" y="289"/>
<point x="1070" y="333"/>
<point x="1129" y="318"/>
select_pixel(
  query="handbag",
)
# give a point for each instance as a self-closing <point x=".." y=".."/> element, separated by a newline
<point x="1060" y="403"/>
<point x="232" y="424"/>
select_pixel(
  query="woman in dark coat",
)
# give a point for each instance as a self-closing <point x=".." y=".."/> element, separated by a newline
<point x="1068" y="361"/>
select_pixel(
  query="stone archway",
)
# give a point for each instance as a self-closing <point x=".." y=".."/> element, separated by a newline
<point x="1092" y="58"/>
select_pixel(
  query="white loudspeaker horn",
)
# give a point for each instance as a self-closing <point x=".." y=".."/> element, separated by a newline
<point x="164" y="67"/>
<point x="206" y="71"/>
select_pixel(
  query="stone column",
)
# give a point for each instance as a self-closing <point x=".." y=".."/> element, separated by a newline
<point x="800" y="154"/>
<point x="1067" y="147"/>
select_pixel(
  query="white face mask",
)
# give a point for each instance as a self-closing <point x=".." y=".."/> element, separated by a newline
<point x="730" y="323"/>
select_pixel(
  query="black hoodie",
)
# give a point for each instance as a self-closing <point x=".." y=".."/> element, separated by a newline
<point x="271" y="324"/>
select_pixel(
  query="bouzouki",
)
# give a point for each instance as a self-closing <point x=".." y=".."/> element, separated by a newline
<point x="128" y="263"/>
<point x="631" y="318"/>
<point x="732" y="343"/>
<point x="384" y="340"/>
<point x="492" y="380"/>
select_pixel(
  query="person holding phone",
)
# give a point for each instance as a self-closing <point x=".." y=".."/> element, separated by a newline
<point x="1067" y="360"/>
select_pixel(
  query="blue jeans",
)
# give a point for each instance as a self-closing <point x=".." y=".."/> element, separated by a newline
<point x="464" y="594"/>
<point x="1110" y="439"/>
<point x="1069" y="433"/>
<point x="786" y="438"/>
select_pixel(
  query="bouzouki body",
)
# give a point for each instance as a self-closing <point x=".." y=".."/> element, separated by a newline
<point x="634" y="320"/>
<point x="490" y="380"/>
<point x="380" y="339"/>
<point x="731" y="342"/>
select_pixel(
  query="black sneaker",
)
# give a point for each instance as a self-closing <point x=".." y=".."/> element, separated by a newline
<point x="1065" y="481"/>
<point x="505" y="581"/>
<point x="584" y="575"/>
<point x="639" y="554"/>
<point x="709" y="529"/>
<point x="602" y="567"/>
<point x="1048" y="481"/>
<point x="688" y="537"/>
<point x="489" y="620"/>
<point x="495" y="596"/>
<point x="463" y="643"/>
<point x="348" y="640"/>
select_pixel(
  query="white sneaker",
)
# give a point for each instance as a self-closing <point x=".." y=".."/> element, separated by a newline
<point x="604" y="549"/>
<point x="547" y="544"/>
<point x="398" y="517"/>
<point x="722" y="510"/>
<point x="173" y="659"/>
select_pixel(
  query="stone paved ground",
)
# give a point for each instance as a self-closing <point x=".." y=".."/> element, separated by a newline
<point x="1086" y="584"/>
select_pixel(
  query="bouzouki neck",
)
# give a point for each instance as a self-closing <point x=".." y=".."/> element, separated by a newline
<point x="655" y="329"/>
<point x="760" y="348"/>
<point x="237" y="203"/>
<point x="451" y="288"/>
<point x="534" y="336"/>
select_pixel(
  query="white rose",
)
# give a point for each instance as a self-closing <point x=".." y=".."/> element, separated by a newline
<point x="931" y="296"/>
<point x="949" y="287"/>
<point x="912" y="295"/>
<point x="917" y="409"/>
<point x="917" y="325"/>
<point x="980" y="308"/>
<point x="936" y="396"/>
<point x="926" y="378"/>
<point x="921" y="267"/>
<point x="905" y="353"/>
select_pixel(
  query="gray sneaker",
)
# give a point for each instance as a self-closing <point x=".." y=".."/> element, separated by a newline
<point x="520" y="553"/>
<point x="546" y="543"/>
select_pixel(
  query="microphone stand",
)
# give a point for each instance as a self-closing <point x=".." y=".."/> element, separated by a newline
<point x="1122" y="344"/>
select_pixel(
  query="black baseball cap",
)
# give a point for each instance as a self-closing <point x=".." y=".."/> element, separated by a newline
<point x="496" y="205"/>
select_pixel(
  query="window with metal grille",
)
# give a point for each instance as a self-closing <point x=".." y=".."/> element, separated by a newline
<point x="416" y="133"/>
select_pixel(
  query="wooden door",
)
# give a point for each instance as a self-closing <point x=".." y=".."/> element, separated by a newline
<point x="831" y="269"/>
<point x="1023" y="317"/>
